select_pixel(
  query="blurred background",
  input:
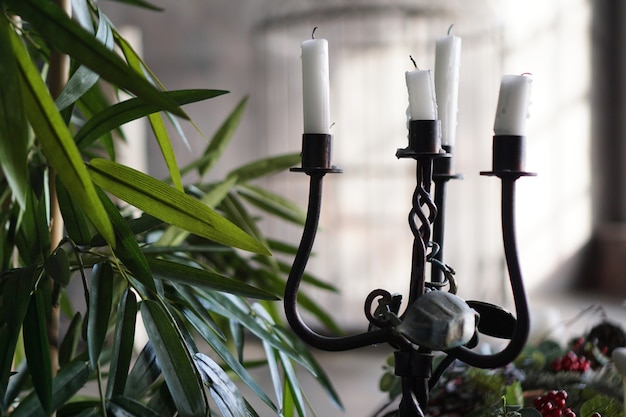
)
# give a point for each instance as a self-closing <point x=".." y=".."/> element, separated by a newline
<point x="571" y="217"/>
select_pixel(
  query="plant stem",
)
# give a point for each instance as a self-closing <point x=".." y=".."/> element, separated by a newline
<point x="58" y="75"/>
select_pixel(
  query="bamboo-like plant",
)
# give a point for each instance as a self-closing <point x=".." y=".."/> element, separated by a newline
<point x="193" y="265"/>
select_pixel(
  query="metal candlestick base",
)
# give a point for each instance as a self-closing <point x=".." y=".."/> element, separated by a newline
<point x="422" y="327"/>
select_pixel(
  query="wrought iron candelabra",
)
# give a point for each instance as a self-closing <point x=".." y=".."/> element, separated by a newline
<point x="434" y="319"/>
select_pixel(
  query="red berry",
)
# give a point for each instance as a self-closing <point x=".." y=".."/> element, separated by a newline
<point x="547" y="407"/>
<point x="559" y="403"/>
<point x="596" y="415"/>
<point x="537" y="402"/>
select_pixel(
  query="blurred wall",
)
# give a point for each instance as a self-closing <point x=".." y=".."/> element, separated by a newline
<point x="253" y="48"/>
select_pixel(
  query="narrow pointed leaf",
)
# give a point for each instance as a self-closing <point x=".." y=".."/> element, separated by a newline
<point x="294" y="386"/>
<point x="82" y="14"/>
<point x="57" y="141"/>
<point x="167" y="150"/>
<point x="36" y="348"/>
<point x="57" y="266"/>
<point x="272" y="364"/>
<point x="84" y="78"/>
<point x="145" y="371"/>
<point x="222" y="137"/>
<point x="265" y="167"/>
<point x="217" y="344"/>
<point x="170" y="205"/>
<point x="126" y="247"/>
<point x="306" y="358"/>
<point x="161" y="400"/>
<point x="228" y="306"/>
<point x="15" y="302"/>
<point x="156" y="119"/>
<point x="67" y="383"/>
<point x="67" y="350"/>
<point x="273" y="203"/>
<point x="135" y="61"/>
<point x="177" y="272"/>
<point x="132" y="109"/>
<point x="70" y="38"/>
<point x="100" y="299"/>
<point x="122" y="407"/>
<point x="122" y="344"/>
<point x="13" y="126"/>
<point x="175" y="236"/>
<point x="74" y="218"/>
<point x="304" y="355"/>
<point x="224" y="391"/>
<point x="175" y="361"/>
<point x="32" y="238"/>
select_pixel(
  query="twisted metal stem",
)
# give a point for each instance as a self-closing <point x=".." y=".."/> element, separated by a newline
<point x="420" y="225"/>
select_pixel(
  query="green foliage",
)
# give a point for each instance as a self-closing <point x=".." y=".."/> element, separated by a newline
<point x="193" y="264"/>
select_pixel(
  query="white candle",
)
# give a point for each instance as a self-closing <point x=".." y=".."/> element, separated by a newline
<point x="422" y="103"/>
<point x="447" y="62"/>
<point x="315" y="86"/>
<point x="513" y="102"/>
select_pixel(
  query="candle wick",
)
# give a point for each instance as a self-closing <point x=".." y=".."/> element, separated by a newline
<point x="313" y="33"/>
<point x="413" y="61"/>
<point x="450" y="29"/>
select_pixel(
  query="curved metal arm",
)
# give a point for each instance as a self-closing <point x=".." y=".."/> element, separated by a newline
<point x="295" y="276"/>
<point x="517" y="342"/>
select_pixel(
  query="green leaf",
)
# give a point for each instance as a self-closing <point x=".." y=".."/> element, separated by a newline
<point x="215" y="340"/>
<point x="74" y="218"/>
<point x="170" y="205"/>
<point x="32" y="238"/>
<point x="36" y="348"/>
<point x="67" y="383"/>
<point x="57" y="141"/>
<point x="122" y="344"/>
<point x="100" y="300"/>
<point x="13" y="126"/>
<point x="84" y="78"/>
<point x="178" y="369"/>
<point x="67" y="350"/>
<point x="127" y="248"/>
<point x="69" y="37"/>
<point x="292" y="381"/>
<point x="602" y="404"/>
<point x="162" y="400"/>
<point x="175" y="236"/>
<point x="222" y="138"/>
<point x="156" y="121"/>
<point x="272" y="364"/>
<point x="15" y="301"/>
<point x="145" y="371"/>
<point x="225" y="393"/>
<point x="57" y="266"/>
<point x="304" y="357"/>
<point x="167" y="150"/>
<point x="121" y="406"/>
<point x="265" y="167"/>
<point x="132" y="109"/>
<point x="177" y="272"/>
<point x="237" y="309"/>
<point x="272" y="203"/>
